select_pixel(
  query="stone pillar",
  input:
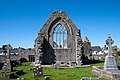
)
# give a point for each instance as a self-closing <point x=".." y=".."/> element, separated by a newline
<point x="110" y="63"/>
<point x="38" y="70"/>
<point x="7" y="65"/>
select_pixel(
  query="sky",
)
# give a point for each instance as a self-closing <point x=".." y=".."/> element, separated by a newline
<point x="20" y="20"/>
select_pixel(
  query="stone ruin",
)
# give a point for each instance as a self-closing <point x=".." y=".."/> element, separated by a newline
<point x="110" y="68"/>
<point x="59" y="40"/>
<point x="7" y="67"/>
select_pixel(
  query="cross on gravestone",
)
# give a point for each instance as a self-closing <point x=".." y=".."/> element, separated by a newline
<point x="8" y="48"/>
<point x="7" y="65"/>
<point x="109" y="42"/>
<point x="110" y="63"/>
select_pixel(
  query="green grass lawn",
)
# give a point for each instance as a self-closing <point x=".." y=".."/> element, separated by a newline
<point x="59" y="74"/>
<point x="69" y="73"/>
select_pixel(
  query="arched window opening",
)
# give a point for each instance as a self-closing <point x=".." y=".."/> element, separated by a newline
<point x="60" y="37"/>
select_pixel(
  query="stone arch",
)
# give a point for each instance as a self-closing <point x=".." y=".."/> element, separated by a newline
<point x="60" y="18"/>
<point x="52" y="28"/>
<point x="59" y="36"/>
<point x="54" y="24"/>
<point x="73" y="35"/>
<point x="56" y="18"/>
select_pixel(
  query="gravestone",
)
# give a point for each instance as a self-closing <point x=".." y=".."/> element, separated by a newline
<point x="7" y="65"/>
<point x="38" y="70"/>
<point x="109" y="70"/>
<point x="110" y="63"/>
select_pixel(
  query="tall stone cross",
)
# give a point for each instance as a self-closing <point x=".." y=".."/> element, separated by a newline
<point x="110" y="63"/>
<point x="109" y="42"/>
<point x="7" y="65"/>
<point x="8" y="48"/>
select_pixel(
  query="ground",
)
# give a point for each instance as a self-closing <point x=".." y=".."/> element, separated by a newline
<point x="59" y="74"/>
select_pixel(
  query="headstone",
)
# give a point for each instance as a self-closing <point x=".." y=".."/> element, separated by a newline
<point x="37" y="70"/>
<point x="110" y="70"/>
<point x="47" y="78"/>
<point x="110" y="63"/>
<point x="1" y="76"/>
<point x="7" y="65"/>
<point x="89" y="78"/>
<point x="23" y="79"/>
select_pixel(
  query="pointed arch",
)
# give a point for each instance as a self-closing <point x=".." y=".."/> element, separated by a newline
<point x="59" y="37"/>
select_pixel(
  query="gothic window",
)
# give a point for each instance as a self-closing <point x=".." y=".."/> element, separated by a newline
<point x="60" y="37"/>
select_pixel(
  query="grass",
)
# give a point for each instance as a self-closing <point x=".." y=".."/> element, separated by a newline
<point x="59" y="74"/>
<point x="23" y="66"/>
<point x="69" y="73"/>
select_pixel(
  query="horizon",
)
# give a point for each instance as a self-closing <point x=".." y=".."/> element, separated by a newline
<point x="20" y="21"/>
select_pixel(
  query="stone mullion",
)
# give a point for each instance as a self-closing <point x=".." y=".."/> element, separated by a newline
<point x="56" y="38"/>
<point x="63" y="39"/>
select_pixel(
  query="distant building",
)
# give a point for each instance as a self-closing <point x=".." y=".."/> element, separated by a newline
<point x="96" y="50"/>
<point x="97" y="53"/>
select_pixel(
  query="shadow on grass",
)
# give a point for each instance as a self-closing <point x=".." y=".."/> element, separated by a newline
<point x="17" y="73"/>
<point x="86" y="62"/>
<point x="20" y="73"/>
<point x="13" y="76"/>
<point x="119" y="67"/>
<point x="46" y="75"/>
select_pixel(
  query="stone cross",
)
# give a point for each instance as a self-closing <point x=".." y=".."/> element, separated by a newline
<point x="110" y="63"/>
<point x="7" y="65"/>
<point x="8" y="48"/>
<point x="109" y="42"/>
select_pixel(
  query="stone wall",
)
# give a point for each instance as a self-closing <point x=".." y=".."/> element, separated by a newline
<point x="64" y="55"/>
<point x="99" y="71"/>
<point x="87" y="49"/>
<point x="12" y="57"/>
<point x="22" y="53"/>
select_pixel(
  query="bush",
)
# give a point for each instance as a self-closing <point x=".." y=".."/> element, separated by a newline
<point x="118" y="53"/>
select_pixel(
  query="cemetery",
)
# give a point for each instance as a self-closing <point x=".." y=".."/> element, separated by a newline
<point x="56" y="73"/>
<point x="59" y="53"/>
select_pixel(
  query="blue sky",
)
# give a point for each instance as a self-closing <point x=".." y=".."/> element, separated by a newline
<point x="20" y="20"/>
